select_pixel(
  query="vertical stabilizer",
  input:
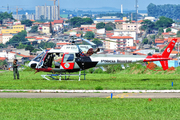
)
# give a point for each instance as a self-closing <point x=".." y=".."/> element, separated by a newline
<point x="167" y="52"/>
<point x="169" y="48"/>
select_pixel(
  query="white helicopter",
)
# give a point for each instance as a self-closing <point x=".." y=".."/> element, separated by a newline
<point x="72" y="58"/>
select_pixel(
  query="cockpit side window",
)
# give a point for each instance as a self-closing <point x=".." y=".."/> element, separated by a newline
<point x="68" y="57"/>
<point x="39" y="57"/>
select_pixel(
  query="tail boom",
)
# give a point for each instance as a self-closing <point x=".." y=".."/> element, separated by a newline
<point x="164" y="57"/>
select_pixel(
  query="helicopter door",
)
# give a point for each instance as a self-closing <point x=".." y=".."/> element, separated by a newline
<point x="37" y="62"/>
<point x="68" y="61"/>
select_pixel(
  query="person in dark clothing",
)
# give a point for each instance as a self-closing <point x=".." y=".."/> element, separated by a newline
<point x="15" y="69"/>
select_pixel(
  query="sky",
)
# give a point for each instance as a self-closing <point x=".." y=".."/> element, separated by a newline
<point x="79" y="4"/>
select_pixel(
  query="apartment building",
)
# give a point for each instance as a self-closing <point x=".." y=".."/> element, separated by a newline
<point x="128" y="26"/>
<point x="110" y="44"/>
<point x="131" y="33"/>
<point x="15" y="29"/>
<point x="47" y="12"/>
<point x="118" y="42"/>
<point x="6" y="38"/>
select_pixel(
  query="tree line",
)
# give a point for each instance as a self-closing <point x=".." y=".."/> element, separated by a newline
<point x="77" y="21"/>
<point x="167" y="10"/>
<point x="5" y="15"/>
<point x="159" y="25"/>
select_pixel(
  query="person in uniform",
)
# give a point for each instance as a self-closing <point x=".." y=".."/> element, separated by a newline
<point x="15" y="69"/>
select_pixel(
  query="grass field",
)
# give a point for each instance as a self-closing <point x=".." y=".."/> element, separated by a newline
<point x="89" y="109"/>
<point x="125" y="79"/>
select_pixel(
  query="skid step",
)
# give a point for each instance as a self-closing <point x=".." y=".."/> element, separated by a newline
<point x="60" y="75"/>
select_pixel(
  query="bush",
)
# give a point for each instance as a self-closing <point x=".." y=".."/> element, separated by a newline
<point x="91" y="70"/>
<point x="99" y="88"/>
<point x="99" y="70"/>
<point x="113" y="68"/>
<point x="26" y="68"/>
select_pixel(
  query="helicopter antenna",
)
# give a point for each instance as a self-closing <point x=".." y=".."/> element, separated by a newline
<point x="73" y="43"/>
<point x="73" y="40"/>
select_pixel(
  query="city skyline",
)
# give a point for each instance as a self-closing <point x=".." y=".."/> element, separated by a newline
<point x="85" y="4"/>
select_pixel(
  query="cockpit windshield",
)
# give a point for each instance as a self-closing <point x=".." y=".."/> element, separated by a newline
<point x="39" y="57"/>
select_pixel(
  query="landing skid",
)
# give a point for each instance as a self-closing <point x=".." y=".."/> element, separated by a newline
<point x="60" y="75"/>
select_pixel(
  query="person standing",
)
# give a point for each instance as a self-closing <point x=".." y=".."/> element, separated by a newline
<point x="15" y="69"/>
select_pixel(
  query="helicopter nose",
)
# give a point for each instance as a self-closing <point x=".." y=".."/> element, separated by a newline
<point x="32" y="65"/>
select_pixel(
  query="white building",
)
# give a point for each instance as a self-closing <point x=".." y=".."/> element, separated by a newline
<point x="6" y="38"/>
<point x="174" y="30"/>
<point x="118" y="42"/>
<point x="45" y="29"/>
<point x="7" y="55"/>
<point x="128" y="27"/>
<point x="58" y="24"/>
<point x="131" y="33"/>
<point x="109" y="44"/>
<point x="150" y="18"/>
<point x="47" y="12"/>
<point x="30" y="16"/>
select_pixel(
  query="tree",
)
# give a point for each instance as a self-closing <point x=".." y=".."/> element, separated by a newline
<point x="100" y="25"/>
<point x="97" y="42"/>
<point x="2" y="45"/>
<point x="16" y="39"/>
<point x="156" y="50"/>
<point x="164" y="22"/>
<point x="149" y="54"/>
<point x="110" y="26"/>
<point x="168" y="30"/>
<point x="145" y="41"/>
<point x="28" y="23"/>
<point x="167" y="10"/>
<point x="41" y="45"/>
<point x="87" y="21"/>
<point x="21" y="46"/>
<point x="29" y="47"/>
<point x="35" y="50"/>
<point x="3" y="64"/>
<point x="77" y="21"/>
<point x="51" y="29"/>
<point x="178" y="34"/>
<point x="24" y="17"/>
<point x="160" y="31"/>
<point x="34" y="29"/>
<point x="5" y="15"/>
<point x="89" y="35"/>
<point x="147" y="25"/>
<point x="45" y="45"/>
<point x="151" y="10"/>
<point x="152" y="38"/>
<point x="50" y="45"/>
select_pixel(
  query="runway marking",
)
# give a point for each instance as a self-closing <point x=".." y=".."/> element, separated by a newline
<point x="123" y="95"/>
